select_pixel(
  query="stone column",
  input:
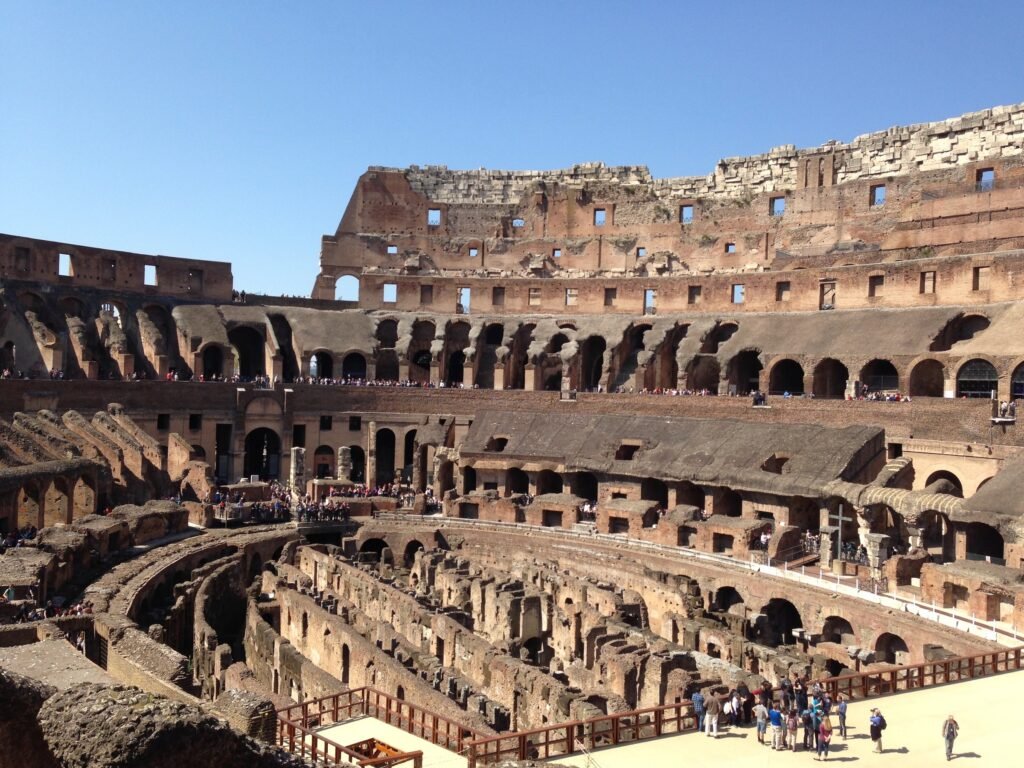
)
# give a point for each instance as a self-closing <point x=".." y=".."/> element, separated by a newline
<point x="877" y="545"/>
<point x="499" y="375"/>
<point x="371" y="449"/>
<point x="827" y="545"/>
<point x="344" y="470"/>
<point x="435" y="372"/>
<point x="530" y="378"/>
<point x="297" y="472"/>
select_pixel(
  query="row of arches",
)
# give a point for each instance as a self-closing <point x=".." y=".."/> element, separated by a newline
<point x="57" y="500"/>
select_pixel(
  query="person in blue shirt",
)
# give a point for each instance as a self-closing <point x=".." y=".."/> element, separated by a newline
<point x="778" y="727"/>
<point x="841" y="711"/>
<point x="698" y="709"/>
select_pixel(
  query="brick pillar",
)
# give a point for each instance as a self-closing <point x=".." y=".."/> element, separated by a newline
<point x="827" y="546"/>
<point x="403" y="370"/>
<point x="371" y="450"/>
<point x="344" y="470"/>
<point x="499" y="376"/>
<point x="435" y="372"/>
<point x="297" y="470"/>
<point x="530" y="378"/>
<point x="467" y="376"/>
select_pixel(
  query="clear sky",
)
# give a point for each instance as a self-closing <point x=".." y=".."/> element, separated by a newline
<point x="237" y="130"/>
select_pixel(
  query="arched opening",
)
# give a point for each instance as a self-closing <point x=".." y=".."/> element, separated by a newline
<point x="420" y="356"/>
<point x="7" y="361"/>
<point x="984" y="542"/>
<point x="72" y="307"/>
<point x="445" y="477"/>
<point x="927" y="379"/>
<point x="468" y="479"/>
<point x="84" y="498"/>
<point x="652" y="489"/>
<point x="624" y="356"/>
<point x="518" y="357"/>
<point x="834" y="628"/>
<point x="213" y="362"/>
<point x="663" y="368"/>
<point x="703" y="374"/>
<point x="385" y="457"/>
<point x="717" y="336"/>
<point x="346" y="288"/>
<point x="934" y="532"/>
<point x="548" y="482"/>
<point x="592" y="362"/>
<point x="552" y="367"/>
<point x="321" y="366"/>
<point x="487" y="355"/>
<point x="455" y="343"/>
<point x="353" y="366"/>
<point x="584" y="485"/>
<point x="456" y="368"/>
<point x="960" y="328"/>
<point x="409" y="557"/>
<point x="775" y="625"/>
<point x="976" y="378"/>
<point x="249" y="347"/>
<point x="728" y="503"/>
<point x="408" y="455"/>
<point x="387" y="366"/>
<point x="400" y="693"/>
<point x="262" y="454"/>
<point x="323" y="462"/>
<point x="372" y="550"/>
<point x="745" y="372"/>
<point x="358" y="474"/>
<point x="387" y="334"/>
<point x="830" y="377"/>
<point x="727" y="600"/>
<point x="29" y="505"/>
<point x="879" y="376"/>
<point x="945" y="482"/>
<point x="786" y="376"/>
<point x="891" y="649"/>
<point x="346" y="657"/>
<point x="516" y="481"/>
<point x="56" y="506"/>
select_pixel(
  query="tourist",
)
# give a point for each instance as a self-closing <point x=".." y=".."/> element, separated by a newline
<point x="792" y="725"/>
<point x="877" y="725"/>
<point x="761" y="718"/>
<point x="778" y="727"/>
<point x="950" y="729"/>
<point x="841" y="711"/>
<point x="824" y="738"/>
<point x="698" y="709"/>
<point x="712" y="709"/>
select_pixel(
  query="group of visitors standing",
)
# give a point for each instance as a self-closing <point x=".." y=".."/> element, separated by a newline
<point x="797" y="707"/>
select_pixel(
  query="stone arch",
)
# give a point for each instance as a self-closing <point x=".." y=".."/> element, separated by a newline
<point x="927" y="379"/>
<point x="420" y="355"/>
<point x="84" y="497"/>
<point x="624" y="357"/>
<point x="984" y="542"/>
<point x="834" y="628"/>
<point x="321" y="365"/>
<point x="212" y="361"/>
<point x="830" y="378"/>
<point x="548" y="482"/>
<point x="953" y="485"/>
<point x="346" y="288"/>
<point x="385" y="456"/>
<point x="409" y="556"/>
<point x="592" y="362"/>
<point x="518" y="357"/>
<point x="72" y="306"/>
<point x="262" y="454"/>
<point x="935" y="531"/>
<point x="786" y="376"/>
<point x="727" y="599"/>
<point x="744" y="371"/>
<point x="776" y="622"/>
<point x="387" y="333"/>
<point x="57" y="506"/>
<point x="663" y="367"/>
<point x="717" y="336"/>
<point x="445" y="477"/>
<point x="454" y="355"/>
<point x="703" y="373"/>
<point x="891" y="649"/>
<point x="652" y="489"/>
<point x="323" y="462"/>
<point x="487" y="354"/>
<point x="353" y="366"/>
<point x="387" y="366"/>
<point x="1017" y="382"/>
<point x="976" y="377"/>
<point x="879" y="375"/>
<point x="408" y="454"/>
<point x="552" y="369"/>
<point x="30" y="505"/>
<point x="358" y="455"/>
<point x="960" y="328"/>
<point x="372" y="549"/>
<point x="249" y="347"/>
<point x="516" y="481"/>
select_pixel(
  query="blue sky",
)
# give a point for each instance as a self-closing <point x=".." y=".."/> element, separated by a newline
<point x="237" y="130"/>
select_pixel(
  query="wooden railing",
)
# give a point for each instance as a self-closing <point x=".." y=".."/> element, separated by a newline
<point x="636" y="725"/>
<point x="370" y="702"/>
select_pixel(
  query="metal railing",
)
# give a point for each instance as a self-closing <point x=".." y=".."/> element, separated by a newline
<point x="299" y="720"/>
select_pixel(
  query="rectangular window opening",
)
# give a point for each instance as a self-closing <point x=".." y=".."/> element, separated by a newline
<point x="195" y="421"/>
<point x="827" y="295"/>
<point x="641" y="252"/>
<point x="556" y="253"/>
<point x="392" y="250"/>
<point x="693" y="294"/>
<point x="326" y="423"/>
<point x="650" y="301"/>
<point x="571" y="295"/>
<point x="390" y="293"/>
<point x="730" y="247"/>
<point x="985" y="179"/>
<point x="782" y="290"/>
<point x="64" y="264"/>
<point x="626" y="451"/>
<point x="426" y="294"/>
<point x="434" y="217"/>
<point x="981" y="279"/>
<point x="927" y="282"/>
<point x="298" y="435"/>
<point x="739" y="293"/>
<point x="163" y="421"/>
<point x="518" y="223"/>
<point x="610" y="295"/>
<point x="600" y="216"/>
<point x="149" y="274"/>
<point x="464" y="298"/>
<point x="22" y="256"/>
<point x="498" y="297"/>
<point x="474" y="252"/>
<point x="685" y="214"/>
<point x="355" y="423"/>
<point x="777" y="206"/>
<point x="877" y="197"/>
<point x="876" y="285"/>
<point x="535" y="297"/>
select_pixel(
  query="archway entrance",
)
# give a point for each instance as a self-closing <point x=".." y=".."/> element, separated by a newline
<point x="927" y="379"/>
<point x="353" y="366"/>
<point x="385" y="457"/>
<point x="830" y="377"/>
<point x="786" y="376"/>
<point x="263" y="454"/>
<point x="976" y="378"/>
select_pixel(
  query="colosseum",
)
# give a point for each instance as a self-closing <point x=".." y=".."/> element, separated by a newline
<point x="543" y="456"/>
